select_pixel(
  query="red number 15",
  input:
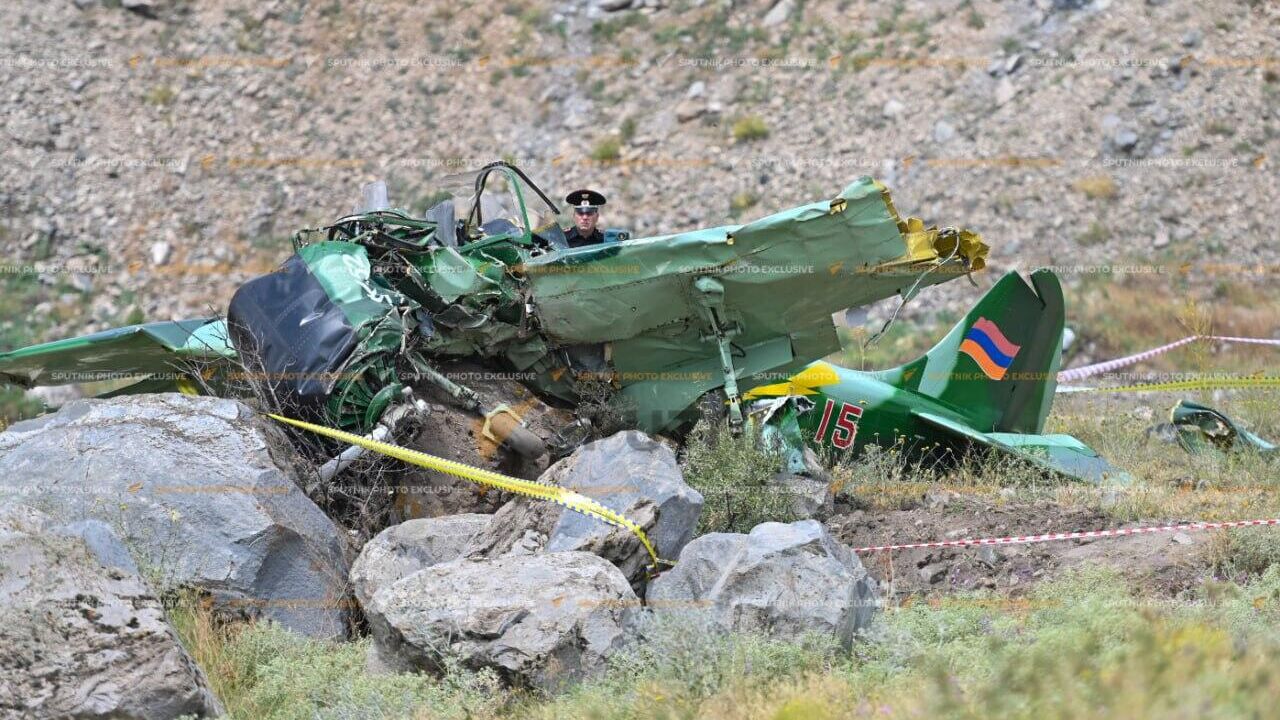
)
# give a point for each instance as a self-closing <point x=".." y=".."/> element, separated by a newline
<point x="846" y="424"/>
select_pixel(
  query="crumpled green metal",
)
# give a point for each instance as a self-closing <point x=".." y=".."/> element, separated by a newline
<point x="1200" y="428"/>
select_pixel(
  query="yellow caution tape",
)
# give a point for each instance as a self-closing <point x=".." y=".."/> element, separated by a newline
<point x="565" y="497"/>
<point x="1193" y="384"/>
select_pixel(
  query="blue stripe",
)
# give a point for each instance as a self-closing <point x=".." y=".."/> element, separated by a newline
<point x="985" y="342"/>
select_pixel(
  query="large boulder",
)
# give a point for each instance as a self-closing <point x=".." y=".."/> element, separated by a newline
<point x="782" y="579"/>
<point x="628" y="472"/>
<point x="404" y="549"/>
<point x="200" y="489"/>
<point x="538" y="620"/>
<point x="81" y="635"/>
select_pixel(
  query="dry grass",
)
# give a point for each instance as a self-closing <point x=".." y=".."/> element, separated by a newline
<point x="1097" y="187"/>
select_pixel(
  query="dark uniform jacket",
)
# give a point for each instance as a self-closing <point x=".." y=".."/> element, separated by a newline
<point x="576" y="239"/>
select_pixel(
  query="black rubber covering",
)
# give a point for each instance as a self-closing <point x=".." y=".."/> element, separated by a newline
<point x="285" y="325"/>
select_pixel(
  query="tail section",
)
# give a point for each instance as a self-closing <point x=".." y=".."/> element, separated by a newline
<point x="997" y="367"/>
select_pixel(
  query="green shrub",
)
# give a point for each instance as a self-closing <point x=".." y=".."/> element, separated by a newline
<point x="265" y="672"/>
<point x="742" y="202"/>
<point x="607" y="150"/>
<point x="1246" y="551"/>
<point x="750" y="127"/>
<point x="734" y="474"/>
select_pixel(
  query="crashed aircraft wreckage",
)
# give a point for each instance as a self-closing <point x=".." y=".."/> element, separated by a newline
<point x="372" y="307"/>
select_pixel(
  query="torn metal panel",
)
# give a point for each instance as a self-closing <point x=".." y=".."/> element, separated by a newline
<point x="1199" y="428"/>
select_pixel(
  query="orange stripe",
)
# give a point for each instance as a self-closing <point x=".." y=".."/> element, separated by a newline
<point x="989" y="367"/>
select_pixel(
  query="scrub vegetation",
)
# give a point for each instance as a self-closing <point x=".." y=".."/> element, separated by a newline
<point x="1087" y="636"/>
<point x="1089" y="641"/>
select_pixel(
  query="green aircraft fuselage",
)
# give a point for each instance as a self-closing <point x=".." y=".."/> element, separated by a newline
<point x="988" y="383"/>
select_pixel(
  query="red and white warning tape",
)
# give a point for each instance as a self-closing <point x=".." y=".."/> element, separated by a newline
<point x="1025" y="539"/>
<point x="1098" y="368"/>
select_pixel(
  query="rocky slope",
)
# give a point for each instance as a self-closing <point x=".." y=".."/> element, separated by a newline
<point x="165" y="149"/>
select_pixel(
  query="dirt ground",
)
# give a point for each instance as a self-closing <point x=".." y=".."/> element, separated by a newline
<point x="1168" y="563"/>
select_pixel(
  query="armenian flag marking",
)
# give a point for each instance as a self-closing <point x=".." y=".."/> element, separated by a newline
<point x="989" y="348"/>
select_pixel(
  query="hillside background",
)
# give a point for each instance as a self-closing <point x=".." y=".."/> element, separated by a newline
<point x="159" y="152"/>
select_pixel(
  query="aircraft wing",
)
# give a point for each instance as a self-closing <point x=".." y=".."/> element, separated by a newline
<point x="134" y="352"/>
<point x="1061" y="454"/>
<point x="766" y="289"/>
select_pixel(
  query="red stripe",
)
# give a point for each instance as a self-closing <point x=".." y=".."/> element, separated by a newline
<point x="997" y="337"/>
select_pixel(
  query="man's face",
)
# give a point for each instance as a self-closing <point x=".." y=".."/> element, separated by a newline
<point x="585" y="219"/>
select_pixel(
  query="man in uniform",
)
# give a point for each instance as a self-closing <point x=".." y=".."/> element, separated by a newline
<point x="586" y="215"/>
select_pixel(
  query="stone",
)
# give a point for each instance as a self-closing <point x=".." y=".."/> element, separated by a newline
<point x="781" y="579"/>
<point x="200" y="489"/>
<point x="160" y="252"/>
<point x="539" y="621"/>
<point x="628" y="472"/>
<point x="988" y="556"/>
<point x="933" y="572"/>
<point x="778" y="14"/>
<point x="1191" y="38"/>
<point x="809" y="497"/>
<point x="943" y="132"/>
<point x="689" y="110"/>
<point x="1005" y="91"/>
<point x="401" y="550"/>
<point x="892" y="109"/>
<point x="81" y="634"/>
<point x="809" y="490"/>
<point x="1125" y="139"/>
<point x="145" y="8"/>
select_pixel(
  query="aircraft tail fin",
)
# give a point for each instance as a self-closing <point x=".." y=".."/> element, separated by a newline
<point x="998" y="365"/>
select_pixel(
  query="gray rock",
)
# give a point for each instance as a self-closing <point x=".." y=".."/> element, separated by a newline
<point x="932" y="573"/>
<point x="1005" y="91"/>
<point x="80" y="637"/>
<point x="778" y="14"/>
<point x="160" y="252"/>
<point x="809" y="491"/>
<point x="200" y="491"/>
<point x="1125" y="139"/>
<point x="783" y="579"/>
<point x="988" y="556"/>
<point x="404" y="549"/>
<point x="943" y="132"/>
<point x="145" y="8"/>
<point x="1192" y="37"/>
<point x="690" y="110"/>
<point x="809" y="497"/>
<point x="628" y="472"/>
<point x="892" y="109"/>
<point x="540" y="620"/>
